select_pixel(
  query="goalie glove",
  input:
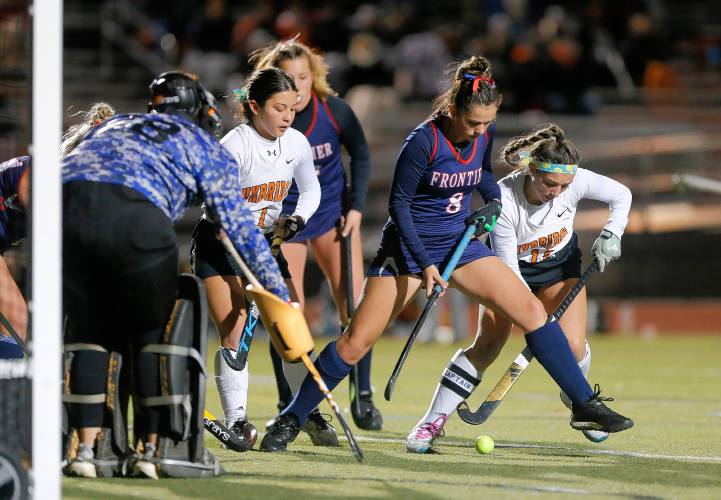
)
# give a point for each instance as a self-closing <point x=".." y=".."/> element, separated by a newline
<point x="606" y="248"/>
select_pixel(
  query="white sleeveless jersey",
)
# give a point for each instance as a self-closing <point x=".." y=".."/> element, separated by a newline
<point x="267" y="169"/>
<point x="533" y="233"/>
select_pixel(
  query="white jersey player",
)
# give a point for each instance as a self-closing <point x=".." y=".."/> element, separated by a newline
<point x="534" y="236"/>
<point x="267" y="169"/>
<point x="270" y="155"/>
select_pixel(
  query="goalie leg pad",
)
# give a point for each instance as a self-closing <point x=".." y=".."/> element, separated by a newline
<point x="180" y="362"/>
<point x="97" y="402"/>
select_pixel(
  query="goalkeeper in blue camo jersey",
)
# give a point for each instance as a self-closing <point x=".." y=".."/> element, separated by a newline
<point x="124" y="185"/>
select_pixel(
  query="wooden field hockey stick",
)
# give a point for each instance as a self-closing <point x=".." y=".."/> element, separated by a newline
<point x="347" y="270"/>
<point x="304" y="356"/>
<point x="14" y="334"/>
<point x="495" y="397"/>
<point x="468" y="235"/>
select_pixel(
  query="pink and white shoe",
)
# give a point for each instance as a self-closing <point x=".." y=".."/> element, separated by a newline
<point x="422" y="436"/>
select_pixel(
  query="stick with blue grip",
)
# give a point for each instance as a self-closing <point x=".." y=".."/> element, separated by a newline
<point x="465" y="240"/>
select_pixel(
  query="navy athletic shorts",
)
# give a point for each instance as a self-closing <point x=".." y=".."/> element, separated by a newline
<point x="209" y="258"/>
<point x="565" y="264"/>
<point x="393" y="258"/>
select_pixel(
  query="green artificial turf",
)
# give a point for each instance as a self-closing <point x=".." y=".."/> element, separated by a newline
<point x="668" y="385"/>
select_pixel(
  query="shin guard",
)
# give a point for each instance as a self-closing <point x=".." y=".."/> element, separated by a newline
<point x="111" y="451"/>
<point x="180" y="359"/>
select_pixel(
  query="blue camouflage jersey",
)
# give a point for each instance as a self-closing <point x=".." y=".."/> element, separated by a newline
<point x="13" y="222"/>
<point x="175" y="164"/>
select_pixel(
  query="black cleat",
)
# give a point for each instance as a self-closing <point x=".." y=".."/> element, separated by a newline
<point x="369" y="418"/>
<point x="283" y="431"/>
<point x="319" y="429"/>
<point x="594" y="415"/>
<point x="246" y="432"/>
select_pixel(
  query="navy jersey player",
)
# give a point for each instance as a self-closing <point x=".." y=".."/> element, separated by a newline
<point x="329" y="124"/>
<point x="534" y="236"/>
<point x="14" y="194"/>
<point x="442" y="162"/>
<point x="123" y="187"/>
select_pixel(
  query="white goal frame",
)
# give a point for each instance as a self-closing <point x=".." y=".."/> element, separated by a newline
<point x="45" y="303"/>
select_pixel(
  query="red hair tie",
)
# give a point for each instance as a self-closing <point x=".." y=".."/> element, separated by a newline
<point x="478" y="79"/>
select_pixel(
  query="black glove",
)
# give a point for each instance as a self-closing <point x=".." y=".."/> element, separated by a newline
<point x="485" y="217"/>
<point x="287" y="226"/>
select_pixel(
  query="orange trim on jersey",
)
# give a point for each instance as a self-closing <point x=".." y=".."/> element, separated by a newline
<point x="435" y="143"/>
<point x="315" y="116"/>
<point x="330" y="115"/>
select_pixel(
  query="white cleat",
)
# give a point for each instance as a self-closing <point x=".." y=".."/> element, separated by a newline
<point x="595" y="436"/>
<point x="590" y="434"/>
<point x="422" y="437"/>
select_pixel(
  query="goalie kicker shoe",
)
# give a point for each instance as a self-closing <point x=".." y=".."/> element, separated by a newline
<point x="320" y="430"/>
<point x="369" y="418"/>
<point x="595" y="415"/>
<point x="591" y="435"/>
<point x="283" y="431"/>
<point x="421" y="437"/>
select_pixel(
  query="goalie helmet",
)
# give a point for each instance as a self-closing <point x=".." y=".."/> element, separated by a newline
<point x="181" y="93"/>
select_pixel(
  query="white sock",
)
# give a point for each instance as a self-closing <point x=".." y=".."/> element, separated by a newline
<point x="458" y="381"/>
<point x="295" y="373"/>
<point x="232" y="388"/>
<point x="585" y="366"/>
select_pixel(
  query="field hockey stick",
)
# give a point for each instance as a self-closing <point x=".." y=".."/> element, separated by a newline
<point x="223" y="434"/>
<point x="357" y="452"/>
<point x="468" y="235"/>
<point x="304" y="356"/>
<point x="14" y="334"/>
<point x="347" y="268"/>
<point x="495" y="397"/>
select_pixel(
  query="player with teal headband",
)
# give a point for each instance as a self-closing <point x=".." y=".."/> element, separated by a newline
<point x="534" y="237"/>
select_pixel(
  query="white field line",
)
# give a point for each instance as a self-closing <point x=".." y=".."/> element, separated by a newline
<point x="635" y="454"/>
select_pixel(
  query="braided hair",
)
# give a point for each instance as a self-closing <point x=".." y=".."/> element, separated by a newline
<point x="98" y="113"/>
<point x="472" y="84"/>
<point x="546" y="143"/>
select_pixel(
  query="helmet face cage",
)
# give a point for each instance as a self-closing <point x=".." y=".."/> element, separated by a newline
<point x="178" y="92"/>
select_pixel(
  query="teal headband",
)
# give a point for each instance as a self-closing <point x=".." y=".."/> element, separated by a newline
<point x="554" y="168"/>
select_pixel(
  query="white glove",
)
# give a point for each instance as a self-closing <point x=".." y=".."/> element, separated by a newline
<point x="606" y="248"/>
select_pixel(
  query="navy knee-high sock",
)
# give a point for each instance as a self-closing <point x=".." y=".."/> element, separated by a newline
<point x="332" y="369"/>
<point x="364" y="372"/>
<point x="550" y="347"/>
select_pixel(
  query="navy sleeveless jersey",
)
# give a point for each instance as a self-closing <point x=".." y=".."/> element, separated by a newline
<point x="13" y="225"/>
<point x="431" y="197"/>
<point x="323" y="134"/>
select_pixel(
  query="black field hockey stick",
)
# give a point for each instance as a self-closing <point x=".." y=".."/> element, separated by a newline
<point x="452" y="263"/>
<point x="223" y="434"/>
<point x="495" y="397"/>
<point x="347" y="272"/>
<point x="14" y="334"/>
<point x="357" y="452"/>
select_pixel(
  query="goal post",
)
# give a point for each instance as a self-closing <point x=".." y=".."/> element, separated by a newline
<point x="46" y="278"/>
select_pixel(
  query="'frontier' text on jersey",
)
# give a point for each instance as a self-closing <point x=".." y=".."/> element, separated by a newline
<point x="444" y="180"/>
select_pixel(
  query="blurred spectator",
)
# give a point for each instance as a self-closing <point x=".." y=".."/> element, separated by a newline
<point x="210" y="56"/>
